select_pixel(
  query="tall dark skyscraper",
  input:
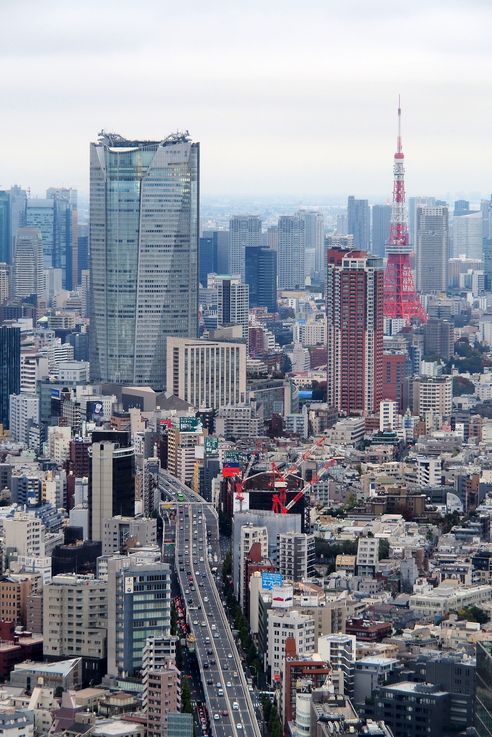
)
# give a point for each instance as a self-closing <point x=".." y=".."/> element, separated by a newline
<point x="143" y="254"/>
<point x="111" y="480"/>
<point x="461" y="207"/>
<point x="291" y="251"/>
<point x="65" y="244"/>
<point x="244" y="230"/>
<point x="487" y="263"/>
<point x="56" y="218"/>
<point x="261" y="277"/>
<point x="5" y="240"/>
<point x="208" y="257"/>
<point x="358" y="222"/>
<point x="9" y="368"/>
<point x="381" y="216"/>
<point x="222" y="238"/>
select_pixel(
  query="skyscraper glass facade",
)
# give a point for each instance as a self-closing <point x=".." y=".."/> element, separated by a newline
<point x="9" y="368"/>
<point x="143" y="254"/>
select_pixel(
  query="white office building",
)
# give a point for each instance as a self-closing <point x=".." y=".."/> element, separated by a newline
<point x="281" y="625"/>
<point x="23" y="414"/>
<point x="207" y="374"/>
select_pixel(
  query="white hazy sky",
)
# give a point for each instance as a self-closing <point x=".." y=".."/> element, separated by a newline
<point x="287" y="97"/>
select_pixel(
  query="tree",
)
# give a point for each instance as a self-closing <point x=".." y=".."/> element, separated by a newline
<point x="186" y="705"/>
<point x="227" y="566"/>
<point x="384" y="548"/>
<point x="461" y="386"/>
<point x="473" y="614"/>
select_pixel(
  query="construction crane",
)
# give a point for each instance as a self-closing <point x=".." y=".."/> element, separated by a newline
<point x="240" y="483"/>
<point x="279" y="505"/>
<point x="279" y="500"/>
<point x="280" y="477"/>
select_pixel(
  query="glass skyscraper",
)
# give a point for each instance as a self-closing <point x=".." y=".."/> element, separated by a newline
<point x="144" y="199"/>
<point x="9" y="368"/>
<point x="483" y="690"/>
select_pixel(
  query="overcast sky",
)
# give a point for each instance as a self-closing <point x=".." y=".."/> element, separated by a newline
<point x="287" y="97"/>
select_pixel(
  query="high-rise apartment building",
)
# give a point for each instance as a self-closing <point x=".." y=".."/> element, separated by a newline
<point x="162" y="695"/>
<point x="75" y="621"/>
<point x="295" y="555"/>
<point x="111" y="484"/>
<point x="314" y="237"/>
<point x="232" y="301"/>
<point x="290" y="252"/>
<point x="281" y="626"/>
<point x="139" y="606"/>
<point x="432" y="248"/>
<point x="261" y="277"/>
<point x="23" y="414"/>
<point x="433" y="394"/>
<point x="381" y="216"/>
<point x="340" y="651"/>
<point x="367" y="556"/>
<point x="25" y="533"/>
<point x="205" y="373"/>
<point x="143" y="254"/>
<point x="439" y="338"/>
<point x="354" y="309"/>
<point x="244" y="230"/>
<point x="358" y="222"/>
<point x="182" y="443"/>
<point x="28" y="263"/>
<point x="9" y="368"/>
<point x="15" y="590"/>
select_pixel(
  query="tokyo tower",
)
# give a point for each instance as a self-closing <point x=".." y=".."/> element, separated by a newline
<point x="400" y="297"/>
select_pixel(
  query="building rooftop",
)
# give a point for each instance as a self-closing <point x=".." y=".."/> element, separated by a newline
<point x="62" y="667"/>
<point x="418" y="688"/>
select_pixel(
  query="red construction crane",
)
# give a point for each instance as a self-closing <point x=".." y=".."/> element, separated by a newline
<point x="240" y="483"/>
<point x="279" y="499"/>
<point x="317" y="477"/>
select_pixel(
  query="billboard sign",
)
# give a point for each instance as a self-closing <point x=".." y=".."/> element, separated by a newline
<point x="269" y="580"/>
<point x="94" y="411"/>
<point x="211" y="446"/>
<point x="190" y="424"/>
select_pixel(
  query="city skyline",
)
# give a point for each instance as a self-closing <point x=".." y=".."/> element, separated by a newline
<point x="327" y="96"/>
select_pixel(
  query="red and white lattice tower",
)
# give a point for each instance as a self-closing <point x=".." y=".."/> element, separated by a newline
<point x="400" y="297"/>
